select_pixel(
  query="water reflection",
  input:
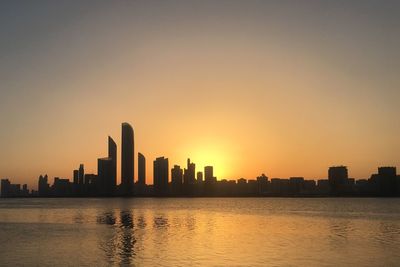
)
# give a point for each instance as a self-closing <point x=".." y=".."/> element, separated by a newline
<point x="126" y="219"/>
<point x="141" y="233"/>
<point x="190" y="222"/>
<point x="119" y="242"/>
<point x="106" y="218"/>
<point x="160" y="222"/>
<point x="141" y="223"/>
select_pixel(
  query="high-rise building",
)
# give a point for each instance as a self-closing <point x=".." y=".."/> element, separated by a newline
<point x="106" y="183"/>
<point x="76" y="177"/>
<point x="112" y="154"/>
<point x="209" y="174"/>
<point x="81" y="175"/>
<point x="127" y="159"/>
<point x="199" y="177"/>
<point x="43" y="186"/>
<point x="338" y="178"/>
<point x="141" y="169"/>
<point x="161" y="176"/>
<point x="177" y="177"/>
<point x="189" y="176"/>
<point x="5" y="187"/>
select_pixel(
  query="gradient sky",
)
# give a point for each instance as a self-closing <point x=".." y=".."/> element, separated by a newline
<point x="288" y="88"/>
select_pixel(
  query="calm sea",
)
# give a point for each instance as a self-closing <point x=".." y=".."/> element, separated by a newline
<point x="200" y="232"/>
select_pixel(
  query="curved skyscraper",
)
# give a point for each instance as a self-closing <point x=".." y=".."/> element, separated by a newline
<point x="112" y="154"/>
<point x="127" y="159"/>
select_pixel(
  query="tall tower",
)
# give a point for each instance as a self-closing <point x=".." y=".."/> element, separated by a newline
<point x="112" y="154"/>
<point x="208" y="174"/>
<point x="141" y="169"/>
<point x="127" y="159"/>
<point x="189" y="176"/>
<point x="106" y="185"/>
<point x="81" y="174"/>
<point x="161" y="176"/>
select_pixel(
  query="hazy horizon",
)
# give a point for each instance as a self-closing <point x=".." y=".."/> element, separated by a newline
<point x="285" y="88"/>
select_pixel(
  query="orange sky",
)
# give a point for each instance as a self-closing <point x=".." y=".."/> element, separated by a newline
<point x="249" y="87"/>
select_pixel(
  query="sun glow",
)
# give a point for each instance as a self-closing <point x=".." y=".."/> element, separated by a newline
<point x="212" y="153"/>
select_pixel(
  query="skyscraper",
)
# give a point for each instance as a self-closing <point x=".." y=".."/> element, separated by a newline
<point x="177" y="177"/>
<point x="112" y="154"/>
<point x="199" y="177"/>
<point x="161" y="176"/>
<point x="189" y="176"/>
<point x="43" y="186"/>
<point x="209" y="174"/>
<point x="141" y="169"/>
<point x="127" y="159"/>
<point x="106" y="185"/>
<point x="81" y="175"/>
<point x="5" y="185"/>
<point x="76" y="177"/>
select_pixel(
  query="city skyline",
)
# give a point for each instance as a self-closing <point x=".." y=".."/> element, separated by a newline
<point x="132" y="179"/>
<point x="200" y="133"/>
<point x="188" y="182"/>
<point x="246" y="86"/>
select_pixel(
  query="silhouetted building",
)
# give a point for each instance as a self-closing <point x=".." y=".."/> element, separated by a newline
<point x="76" y="182"/>
<point x="189" y="174"/>
<point x="43" y="186"/>
<point x="177" y="177"/>
<point x="225" y="188"/>
<point x="92" y="187"/>
<point x="338" y="179"/>
<point x="112" y="154"/>
<point x="81" y="175"/>
<point x="5" y="187"/>
<point x="10" y="190"/>
<point x="262" y="184"/>
<point x="199" y="177"/>
<point x="141" y="169"/>
<point x="106" y="182"/>
<point x="309" y="187"/>
<point x="386" y="181"/>
<point x="161" y="175"/>
<point x="279" y="187"/>
<point x="76" y="177"/>
<point x="323" y="187"/>
<point x="61" y="187"/>
<point x="252" y="187"/>
<point x="189" y="178"/>
<point x="209" y="175"/>
<point x="296" y="185"/>
<point x="25" y="191"/>
<point x="398" y="185"/>
<point x="209" y="181"/>
<point x="127" y="159"/>
<point x="241" y="187"/>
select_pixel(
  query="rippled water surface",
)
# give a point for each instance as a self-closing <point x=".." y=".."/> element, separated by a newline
<point x="200" y="232"/>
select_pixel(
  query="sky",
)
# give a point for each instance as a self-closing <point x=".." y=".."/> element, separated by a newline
<point x="285" y="88"/>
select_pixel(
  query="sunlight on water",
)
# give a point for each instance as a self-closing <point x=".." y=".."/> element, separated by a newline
<point x="200" y="232"/>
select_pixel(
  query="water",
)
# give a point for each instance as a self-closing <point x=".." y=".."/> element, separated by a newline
<point x="200" y="232"/>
